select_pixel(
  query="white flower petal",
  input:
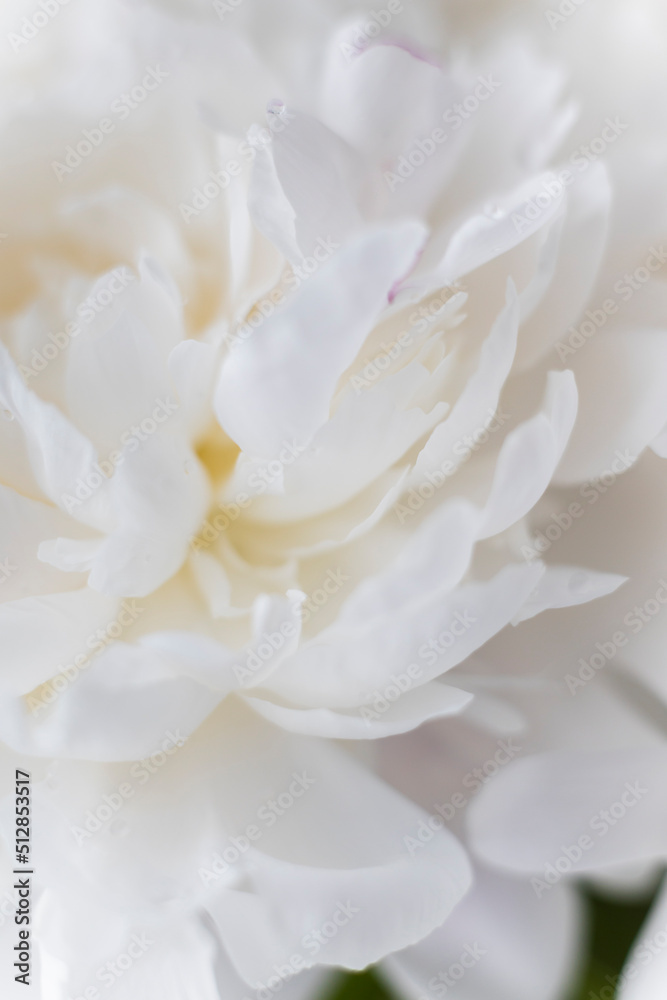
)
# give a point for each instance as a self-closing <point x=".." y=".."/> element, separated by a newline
<point x="319" y="175"/>
<point x="579" y="256"/>
<point x="41" y="634"/>
<point x="567" y="586"/>
<point x="645" y="970"/>
<point x="540" y="803"/>
<point x="484" y="236"/>
<point x="480" y="396"/>
<point x="398" y="712"/>
<point x="620" y="376"/>
<point x="343" y="667"/>
<point x="529" y="456"/>
<point x="59" y="454"/>
<point x="397" y="898"/>
<point x="514" y="946"/>
<point x="277" y="386"/>
<point x="161" y="493"/>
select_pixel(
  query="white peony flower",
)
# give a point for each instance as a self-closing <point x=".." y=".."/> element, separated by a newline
<point x="314" y="336"/>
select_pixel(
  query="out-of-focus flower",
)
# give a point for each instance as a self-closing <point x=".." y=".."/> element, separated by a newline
<point x="295" y="332"/>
